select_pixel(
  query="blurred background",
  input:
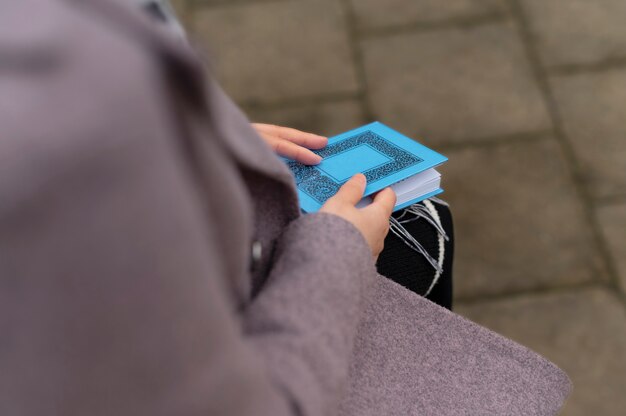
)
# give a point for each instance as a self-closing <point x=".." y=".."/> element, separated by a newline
<point x="528" y="100"/>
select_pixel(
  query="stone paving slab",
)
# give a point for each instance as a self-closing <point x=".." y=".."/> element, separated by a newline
<point x="180" y="6"/>
<point x="454" y="85"/>
<point x="457" y="75"/>
<point x="577" y="31"/>
<point x="518" y="222"/>
<point x="326" y="119"/>
<point x="266" y="52"/>
<point x="583" y="332"/>
<point x="612" y="219"/>
<point x="377" y="13"/>
<point x="593" y="109"/>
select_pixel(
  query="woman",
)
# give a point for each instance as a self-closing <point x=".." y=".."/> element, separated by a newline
<point x="154" y="259"/>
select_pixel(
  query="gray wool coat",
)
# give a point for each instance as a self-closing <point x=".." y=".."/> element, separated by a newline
<point x="131" y="192"/>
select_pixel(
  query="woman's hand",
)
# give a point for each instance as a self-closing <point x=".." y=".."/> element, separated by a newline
<point x="373" y="220"/>
<point x="291" y="143"/>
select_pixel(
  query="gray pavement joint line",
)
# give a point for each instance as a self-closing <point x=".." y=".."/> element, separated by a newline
<point x="192" y="8"/>
<point x="357" y="60"/>
<point x="465" y="22"/>
<point x="230" y="3"/>
<point x="301" y="101"/>
<point x="543" y="83"/>
<point x="610" y="200"/>
<point x="607" y="64"/>
<point x="498" y="140"/>
<point x="183" y="12"/>
<point x="539" y="291"/>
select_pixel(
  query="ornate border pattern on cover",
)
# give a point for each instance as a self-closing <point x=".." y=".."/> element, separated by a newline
<point x="320" y="187"/>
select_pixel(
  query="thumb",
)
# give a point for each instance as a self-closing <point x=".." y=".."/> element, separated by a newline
<point x="385" y="200"/>
<point x="351" y="192"/>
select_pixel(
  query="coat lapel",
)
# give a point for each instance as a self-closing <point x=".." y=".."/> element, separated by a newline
<point x="187" y="72"/>
<point x="242" y="140"/>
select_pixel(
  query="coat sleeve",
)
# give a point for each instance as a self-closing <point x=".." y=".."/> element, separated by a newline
<point x="112" y="288"/>
<point x="304" y="322"/>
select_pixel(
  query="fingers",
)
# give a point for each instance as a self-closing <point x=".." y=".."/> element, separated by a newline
<point x="308" y="140"/>
<point x="385" y="201"/>
<point x="293" y="151"/>
<point x="352" y="191"/>
<point x="291" y="143"/>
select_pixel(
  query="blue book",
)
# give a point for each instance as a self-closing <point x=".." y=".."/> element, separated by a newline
<point x="383" y="155"/>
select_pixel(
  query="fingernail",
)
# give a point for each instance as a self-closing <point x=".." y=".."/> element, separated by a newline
<point x="318" y="159"/>
<point x="360" y="177"/>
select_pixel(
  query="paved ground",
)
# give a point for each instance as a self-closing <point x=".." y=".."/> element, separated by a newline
<point x="528" y="100"/>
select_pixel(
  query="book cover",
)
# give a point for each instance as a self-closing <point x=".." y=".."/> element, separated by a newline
<point x="382" y="154"/>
